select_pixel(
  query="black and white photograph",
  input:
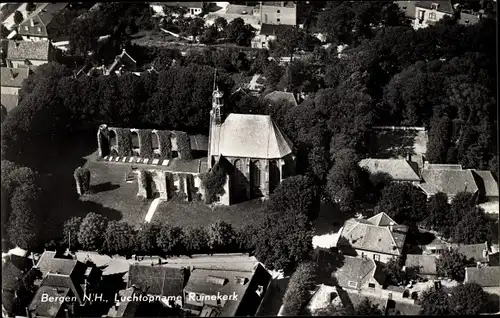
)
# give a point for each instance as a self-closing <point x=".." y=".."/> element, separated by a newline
<point x="249" y="158"/>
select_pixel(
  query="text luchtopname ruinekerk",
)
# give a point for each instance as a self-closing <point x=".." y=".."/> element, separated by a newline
<point x="143" y="298"/>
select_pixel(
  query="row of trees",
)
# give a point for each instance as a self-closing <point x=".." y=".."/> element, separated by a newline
<point x="464" y="299"/>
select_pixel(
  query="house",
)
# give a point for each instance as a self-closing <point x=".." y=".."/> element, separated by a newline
<point x="251" y="149"/>
<point x="18" y="277"/>
<point x="193" y="8"/>
<point x="475" y="253"/>
<point x="485" y="276"/>
<point x="451" y="182"/>
<point x="39" y="307"/>
<point x="269" y="33"/>
<point x="241" y="291"/>
<point x="133" y="302"/>
<point x="23" y="54"/>
<point x="277" y="12"/>
<point x="279" y="96"/>
<point x="159" y="280"/>
<point x="436" y="247"/>
<point x="488" y="186"/>
<point x="430" y="12"/>
<point x="426" y="265"/>
<point x="323" y="297"/>
<point x="378" y="238"/>
<point x="400" y="170"/>
<point x="11" y="82"/>
<point x="38" y="25"/>
<point x="408" y="7"/>
<point x="360" y="273"/>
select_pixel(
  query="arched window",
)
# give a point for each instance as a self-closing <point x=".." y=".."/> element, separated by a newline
<point x="135" y="142"/>
<point x="113" y="143"/>
<point x="239" y="181"/>
<point x="155" y="141"/>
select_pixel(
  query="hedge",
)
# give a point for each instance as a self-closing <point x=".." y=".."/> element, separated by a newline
<point x="183" y="145"/>
<point x="146" y="142"/>
<point x="165" y="143"/>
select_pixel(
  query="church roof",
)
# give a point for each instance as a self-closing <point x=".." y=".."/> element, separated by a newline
<point x="251" y="136"/>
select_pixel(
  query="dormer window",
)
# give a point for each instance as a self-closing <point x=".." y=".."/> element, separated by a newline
<point x="39" y="29"/>
<point x="434" y="6"/>
<point x="352" y="284"/>
<point x="432" y="16"/>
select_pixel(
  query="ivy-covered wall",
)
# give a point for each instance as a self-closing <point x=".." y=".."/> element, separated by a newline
<point x="183" y="145"/>
<point x="213" y="181"/>
<point x="165" y="144"/>
<point x="145" y="137"/>
<point x="124" y="141"/>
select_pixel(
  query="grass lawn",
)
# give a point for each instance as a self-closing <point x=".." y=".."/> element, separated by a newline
<point x="199" y="214"/>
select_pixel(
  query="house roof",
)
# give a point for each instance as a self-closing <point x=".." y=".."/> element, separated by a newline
<point x="357" y="298"/>
<point x="251" y="136"/>
<point x="473" y="251"/>
<point x="42" y="16"/>
<point x="406" y="308"/>
<point x="39" y="308"/>
<point x="488" y="276"/>
<point x="122" y="58"/>
<point x="426" y="263"/>
<point x="323" y="297"/>
<point x="157" y="280"/>
<point x="442" y="166"/>
<point x="125" y="308"/>
<point x="486" y="183"/>
<point x="359" y="271"/>
<point x="230" y="262"/>
<point x="398" y="169"/>
<point x="13" y="270"/>
<point x="30" y="50"/>
<point x="278" y="96"/>
<point x="450" y="182"/>
<point x="193" y="4"/>
<point x="274" y="29"/>
<point x="368" y="235"/>
<point x="9" y="101"/>
<point x="468" y="19"/>
<point x="13" y="77"/>
<point x="408" y="7"/>
<point x="48" y="262"/>
<point x="443" y="6"/>
<point x="188" y="166"/>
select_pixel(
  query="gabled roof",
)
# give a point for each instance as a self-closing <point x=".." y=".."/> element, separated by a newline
<point x="30" y="50"/>
<point x="274" y="29"/>
<point x="41" y="17"/>
<point x="367" y="235"/>
<point x="13" y="270"/>
<point x="126" y="308"/>
<point x="426" y="263"/>
<point x="251" y="136"/>
<point x="39" y="308"/>
<point x="487" y="276"/>
<point x="398" y="169"/>
<point x="323" y="297"/>
<point x="9" y="101"/>
<point x="443" y="6"/>
<point x="277" y="96"/>
<point x="358" y="271"/>
<point x="13" y="77"/>
<point x="450" y="182"/>
<point x="48" y="262"/>
<point x="487" y="184"/>
<point x="157" y="280"/>
<point x="408" y="7"/>
<point x="473" y="251"/>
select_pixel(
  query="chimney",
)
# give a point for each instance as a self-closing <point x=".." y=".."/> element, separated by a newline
<point x="12" y="75"/>
<point x="391" y="226"/>
<point x="478" y="264"/>
<point x="28" y="313"/>
<point x="485" y="253"/>
<point x="32" y="22"/>
<point x="409" y="157"/>
<point x="66" y="312"/>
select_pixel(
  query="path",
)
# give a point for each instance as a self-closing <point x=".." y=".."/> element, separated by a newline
<point x="152" y="209"/>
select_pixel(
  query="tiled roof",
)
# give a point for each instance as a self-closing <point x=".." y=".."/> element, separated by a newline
<point x="22" y="50"/>
<point x="323" y="297"/>
<point x="443" y="6"/>
<point x="473" y="251"/>
<point x="398" y="169"/>
<point x="408" y="7"/>
<point x="13" y="77"/>
<point x="426" y="263"/>
<point x="442" y="166"/>
<point x="251" y="136"/>
<point x="488" y="276"/>
<point x="381" y="219"/>
<point x="468" y="19"/>
<point x="193" y="4"/>
<point x="359" y="271"/>
<point x="65" y="281"/>
<point x="366" y="235"/>
<point x="487" y="184"/>
<point x="13" y="270"/>
<point x="450" y="182"/>
<point x="39" y="308"/>
<point x="49" y="263"/>
<point x="126" y="308"/>
<point x="157" y="280"/>
<point x="273" y="29"/>
<point x="357" y="298"/>
<point x="229" y="262"/>
<point x="278" y="96"/>
<point x="9" y="101"/>
<point x="41" y="17"/>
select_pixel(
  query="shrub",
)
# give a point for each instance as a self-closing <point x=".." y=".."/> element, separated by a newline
<point x="297" y="293"/>
<point x="183" y="145"/>
<point x="91" y="233"/>
<point x="213" y="182"/>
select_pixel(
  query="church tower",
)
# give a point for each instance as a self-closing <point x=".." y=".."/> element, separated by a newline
<point x="215" y="123"/>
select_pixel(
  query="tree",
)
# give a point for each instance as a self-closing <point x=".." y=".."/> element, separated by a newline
<point x="246" y="237"/>
<point x="461" y="205"/>
<point x="221" y="236"/>
<point x="298" y="193"/>
<point x="170" y="240"/>
<point x="220" y="23"/>
<point x="18" y="17"/>
<point x="30" y="7"/>
<point x="394" y="271"/>
<point x="196" y="27"/>
<point x="468" y="299"/>
<point x="24" y="218"/>
<point x="439" y="139"/>
<point x="301" y="283"/>
<point x="283" y="241"/>
<point x="435" y="302"/>
<point x="451" y="264"/>
<point x="119" y="238"/>
<point x="438" y="213"/>
<point x="91" y="233"/>
<point x="4" y="32"/>
<point x="403" y="202"/>
<point x="473" y="228"/>
<point x="195" y="240"/>
<point x="146" y="239"/>
<point x="70" y="232"/>
<point x="367" y="308"/>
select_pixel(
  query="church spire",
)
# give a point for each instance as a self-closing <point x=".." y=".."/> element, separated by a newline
<point x="217" y="102"/>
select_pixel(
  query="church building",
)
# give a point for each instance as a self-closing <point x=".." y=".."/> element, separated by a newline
<point x="257" y="153"/>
